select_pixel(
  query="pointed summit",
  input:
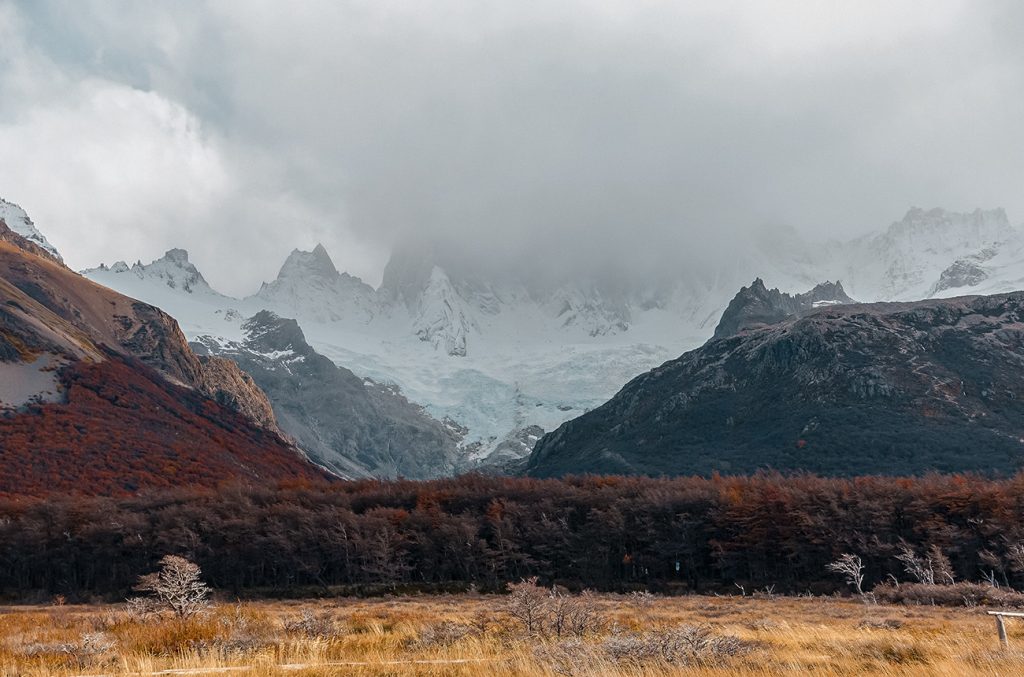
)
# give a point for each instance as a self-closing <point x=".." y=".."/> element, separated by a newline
<point x="310" y="286"/>
<point x="178" y="256"/>
<point x="316" y="263"/>
<point x="17" y="220"/>
<point x="757" y="306"/>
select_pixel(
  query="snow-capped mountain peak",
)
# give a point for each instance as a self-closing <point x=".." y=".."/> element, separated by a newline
<point x="18" y="221"/>
<point x="497" y="349"/>
<point x="906" y="261"/>
<point x="316" y="263"/>
<point x="172" y="270"/>
<point x="938" y="229"/>
<point x="310" y="286"/>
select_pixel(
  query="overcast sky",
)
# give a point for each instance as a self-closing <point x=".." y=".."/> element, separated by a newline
<point x="556" y="130"/>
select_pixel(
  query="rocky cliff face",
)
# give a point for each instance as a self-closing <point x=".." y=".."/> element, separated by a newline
<point x="757" y="306"/>
<point x="353" y="426"/>
<point x="882" y="388"/>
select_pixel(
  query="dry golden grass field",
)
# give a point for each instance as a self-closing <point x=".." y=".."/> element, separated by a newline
<point x="472" y="635"/>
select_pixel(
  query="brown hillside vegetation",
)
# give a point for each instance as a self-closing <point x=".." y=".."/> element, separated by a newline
<point x="123" y="428"/>
<point x="120" y="402"/>
<point x="66" y="312"/>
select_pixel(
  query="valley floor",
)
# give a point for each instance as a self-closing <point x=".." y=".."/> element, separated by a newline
<point x="473" y="635"/>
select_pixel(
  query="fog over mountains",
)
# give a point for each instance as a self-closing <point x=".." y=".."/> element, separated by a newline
<point x="497" y="352"/>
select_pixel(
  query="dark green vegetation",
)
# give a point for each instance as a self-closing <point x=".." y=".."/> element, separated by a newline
<point x="612" y="533"/>
<point x="889" y="388"/>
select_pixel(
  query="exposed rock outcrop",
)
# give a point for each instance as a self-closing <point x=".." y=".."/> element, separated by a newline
<point x="757" y="306"/>
<point x="354" y="426"/>
<point x="852" y="389"/>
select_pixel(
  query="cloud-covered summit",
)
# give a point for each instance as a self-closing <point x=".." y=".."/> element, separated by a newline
<point x="608" y="135"/>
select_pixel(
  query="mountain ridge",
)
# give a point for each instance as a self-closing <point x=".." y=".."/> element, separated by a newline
<point x="99" y="393"/>
<point x="499" y="352"/>
<point x="884" y="388"/>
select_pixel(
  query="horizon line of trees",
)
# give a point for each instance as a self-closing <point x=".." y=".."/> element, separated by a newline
<point x="607" y="533"/>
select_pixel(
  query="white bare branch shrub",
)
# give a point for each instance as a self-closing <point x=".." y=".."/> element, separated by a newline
<point x="685" y="645"/>
<point x="851" y="568"/>
<point x="933" y="568"/>
<point x="567" y="658"/>
<point x="310" y="624"/>
<point x="576" y="615"/>
<point x="177" y="587"/>
<point x="528" y="604"/>
<point x="641" y="600"/>
<point x="918" y="568"/>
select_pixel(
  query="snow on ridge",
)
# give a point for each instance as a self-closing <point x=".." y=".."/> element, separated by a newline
<point x="498" y="355"/>
<point x="173" y="270"/>
<point x="18" y="221"/>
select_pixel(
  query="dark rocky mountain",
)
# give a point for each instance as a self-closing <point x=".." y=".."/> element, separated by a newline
<point x="354" y="426"/>
<point x="100" y="393"/>
<point x="888" y="388"/>
<point x="757" y="306"/>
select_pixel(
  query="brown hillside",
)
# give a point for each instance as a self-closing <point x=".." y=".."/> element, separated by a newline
<point x="117" y="401"/>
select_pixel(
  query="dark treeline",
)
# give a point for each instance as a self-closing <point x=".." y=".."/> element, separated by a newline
<point x="610" y="533"/>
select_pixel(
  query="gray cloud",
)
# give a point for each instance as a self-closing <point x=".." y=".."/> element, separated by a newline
<point x="569" y="134"/>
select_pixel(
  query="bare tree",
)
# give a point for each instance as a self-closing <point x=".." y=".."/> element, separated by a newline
<point x="851" y="568"/>
<point x="577" y="615"/>
<point x="585" y="615"/>
<point x="1015" y="555"/>
<point x="177" y="587"/>
<point x="942" y="568"/>
<point x="559" y="609"/>
<point x="528" y="603"/>
<point x="918" y="568"/>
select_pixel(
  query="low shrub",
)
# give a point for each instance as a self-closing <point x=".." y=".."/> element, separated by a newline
<point x="445" y="633"/>
<point x="685" y="645"/>
<point x="958" y="594"/>
<point x="567" y="658"/>
<point x="880" y="624"/>
<point x="312" y="624"/>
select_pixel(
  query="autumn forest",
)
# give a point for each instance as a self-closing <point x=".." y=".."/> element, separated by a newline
<point x="720" y="534"/>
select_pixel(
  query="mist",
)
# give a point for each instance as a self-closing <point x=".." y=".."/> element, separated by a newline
<point x="632" y="137"/>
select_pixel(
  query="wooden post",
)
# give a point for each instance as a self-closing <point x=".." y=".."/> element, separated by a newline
<point x="1001" y="628"/>
<point x="1001" y="625"/>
